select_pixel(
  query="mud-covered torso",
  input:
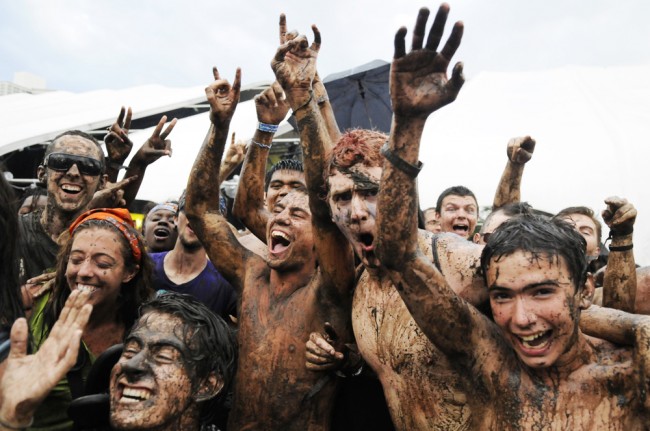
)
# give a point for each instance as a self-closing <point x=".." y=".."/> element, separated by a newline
<point x="422" y="389"/>
<point x="273" y="389"/>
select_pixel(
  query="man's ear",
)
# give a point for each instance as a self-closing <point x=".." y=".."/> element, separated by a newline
<point x="476" y="239"/>
<point x="103" y="179"/>
<point x="41" y="174"/>
<point x="587" y="294"/>
<point x="210" y="388"/>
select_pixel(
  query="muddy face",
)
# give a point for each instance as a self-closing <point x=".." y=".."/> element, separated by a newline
<point x="152" y="384"/>
<point x="534" y="302"/>
<point x="289" y="233"/>
<point x="587" y="228"/>
<point x="495" y="220"/>
<point x="352" y="200"/>
<point x="160" y="230"/>
<point x="458" y="214"/>
<point x="431" y="222"/>
<point x="282" y="182"/>
<point x="96" y="264"/>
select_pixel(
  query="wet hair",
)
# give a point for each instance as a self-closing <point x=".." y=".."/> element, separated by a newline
<point x="209" y="340"/>
<point x="586" y="211"/>
<point x="283" y="165"/>
<point x="356" y="146"/>
<point x="513" y="209"/>
<point x="456" y="191"/>
<point x="11" y="306"/>
<point x="541" y="237"/>
<point x="50" y="148"/>
<point x="132" y="293"/>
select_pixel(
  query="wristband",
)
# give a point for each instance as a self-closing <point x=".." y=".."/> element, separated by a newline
<point x="17" y="427"/>
<point x="621" y="247"/>
<point x="401" y="164"/>
<point x="259" y="144"/>
<point x="270" y="128"/>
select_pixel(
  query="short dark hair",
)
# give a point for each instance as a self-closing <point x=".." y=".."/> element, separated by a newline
<point x="283" y="165"/>
<point x="513" y="209"/>
<point x="455" y="190"/>
<point x="210" y="341"/>
<point x="542" y="238"/>
<point x="585" y="211"/>
<point x="91" y="138"/>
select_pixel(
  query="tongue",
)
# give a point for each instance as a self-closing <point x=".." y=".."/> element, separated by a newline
<point x="278" y="247"/>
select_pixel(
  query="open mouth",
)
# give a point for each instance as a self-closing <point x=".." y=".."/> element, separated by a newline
<point x="86" y="288"/>
<point x="536" y="342"/>
<point x="133" y="395"/>
<point x="366" y="240"/>
<point x="279" y="241"/>
<point x="72" y="189"/>
<point x="161" y="233"/>
<point x="461" y="229"/>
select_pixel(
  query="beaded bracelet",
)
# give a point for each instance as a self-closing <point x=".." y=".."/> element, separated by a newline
<point x="259" y="144"/>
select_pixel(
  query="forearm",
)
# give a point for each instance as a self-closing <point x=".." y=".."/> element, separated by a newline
<point x="609" y="324"/>
<point x="620" y="284"/>
<point x="249" y="202"/>
<point x="327" y="113"/>
<point x="509" y="188"/>
<point x="138" y="169"/>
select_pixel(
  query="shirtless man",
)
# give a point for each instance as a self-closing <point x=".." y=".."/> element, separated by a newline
<point x="457" y="211"/>
<point x="283" y="299"/>
<point x="421" y="387"/>
<point x="531" y="368"/>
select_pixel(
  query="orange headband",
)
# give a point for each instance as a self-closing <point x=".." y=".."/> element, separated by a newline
<point x="118" y="217"/>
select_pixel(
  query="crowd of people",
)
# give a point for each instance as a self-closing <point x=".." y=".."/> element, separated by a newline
<point x="342" y="305"/>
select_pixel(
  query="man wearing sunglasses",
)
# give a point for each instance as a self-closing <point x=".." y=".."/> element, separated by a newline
<point x="73" y="169"/>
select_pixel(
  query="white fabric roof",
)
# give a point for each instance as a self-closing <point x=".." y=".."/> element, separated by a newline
<point x="591" y="126"/>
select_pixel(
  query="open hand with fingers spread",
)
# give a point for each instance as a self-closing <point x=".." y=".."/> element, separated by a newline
<point x="118" y="144"/>
<point x="619" y="215"/>
<point x="520" y="150"/>
<point x="418" y="80"/>
<point x="223" y="98"/>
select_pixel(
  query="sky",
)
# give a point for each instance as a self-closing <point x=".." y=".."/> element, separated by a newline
<point x="80" y="45"/>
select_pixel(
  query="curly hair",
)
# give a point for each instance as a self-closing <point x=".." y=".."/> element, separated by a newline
<point x="356" y="146"/>
<point x="132" y="293"/>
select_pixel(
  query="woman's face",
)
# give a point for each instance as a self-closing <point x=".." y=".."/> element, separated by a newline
<point x="96" y="265"/>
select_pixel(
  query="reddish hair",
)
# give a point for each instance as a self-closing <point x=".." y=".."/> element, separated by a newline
<point x="357" y="146"/>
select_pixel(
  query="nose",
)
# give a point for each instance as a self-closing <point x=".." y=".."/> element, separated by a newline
<point x="86" y="269"/>
<point x="73" y="171"/>
<point x="358" y="208"/>
<point x="135" y="366"/>
<point x="523" y="316"/>
<point x="284" y="191"/>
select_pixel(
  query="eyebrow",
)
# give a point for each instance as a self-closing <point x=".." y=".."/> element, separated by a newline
<point x="172" y="342"/>
<point x="527" y="287"/>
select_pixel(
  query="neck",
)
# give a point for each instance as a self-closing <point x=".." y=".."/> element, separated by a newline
<point x="285" y="283"/>
<point x="103" y="315"/>
<point x="182" y="260"/>
<point x="56" y="222"/>
<point x="580" y="354"/>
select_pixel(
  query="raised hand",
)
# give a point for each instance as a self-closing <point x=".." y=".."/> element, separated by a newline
<point x="235" y="152"/>
<point x="271" y="105"/>
<point x="418" y="80"/>
<point x="157" y="145"/>
<point x="111" y="196"/>
<point x="118" y="144"/>
<point x="29" y="378"/>
<point x="223" y="98"/>
<point x="294" y="66"/>
<point x="520" y="150"/>
<point x="619" y="215"/>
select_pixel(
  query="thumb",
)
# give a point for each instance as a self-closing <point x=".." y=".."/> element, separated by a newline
<point x="18" y="339"/>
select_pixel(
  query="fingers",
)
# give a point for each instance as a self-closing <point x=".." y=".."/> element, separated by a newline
<point x="18" y="339"/>
<point x="232" y="139"/>
<point x="316" y="44"/>
<point x="169" y="129"/>
<point x="457" y="78"/>
<point x="120" y="117"/>
<point x="159" y="126"/>
<point x="438" y="27"/>
<point x="127" y="122"/>
<point x="283" y="49"/>
<point x="46" y="276"/>
<point x="215" y="73"/>
<point x="283" y="28"/>
<point x="400" y="44"/>
<point x="528" y="144"/>
<point x="331" y="333"/>
<point x="420" y="26"/>
<point x="454" y="41"/>
<point x="236" y="85"/>
<point x="123" y="182"/>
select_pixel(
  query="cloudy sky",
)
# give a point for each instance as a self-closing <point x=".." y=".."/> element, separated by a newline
<point x="85" y="45"/>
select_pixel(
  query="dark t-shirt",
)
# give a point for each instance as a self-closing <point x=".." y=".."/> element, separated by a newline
<point x="209" y="287"/>
<point x="36" y="250"/>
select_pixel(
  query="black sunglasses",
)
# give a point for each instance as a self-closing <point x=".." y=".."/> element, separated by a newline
<point x="63" y="162"/>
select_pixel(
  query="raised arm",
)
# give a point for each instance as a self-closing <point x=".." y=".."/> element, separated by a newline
<point x="295" y="66"/>
<point x="619" y="284"/>
<point x="419" y="86"/>
<point x="249" y="205"/>
<point x="202" y="199"/>
<point x="154" y="148"/>
<point x="233" y="158"/>
<point x="520" y="151"/>
<point x="118" y="145"/>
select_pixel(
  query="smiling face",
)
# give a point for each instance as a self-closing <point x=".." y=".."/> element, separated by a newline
<point x="70" y="191"/>
<point x="282" y="182"/>
<point x="535" y="303"/>
<point x="352" y="199"/>
<point x="458" y="214"/>
<point x="96" y="264"/>
<point x="160" y="230"/>
<point x="152" y="385"/>
<point x="587" y="228"/>
<point x="289" y="233"/>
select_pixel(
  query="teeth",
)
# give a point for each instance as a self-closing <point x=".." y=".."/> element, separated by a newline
<point x="532" y="337"/>
<point x="278" y="234"/>
<point x="86" y="288"/>
<point x="135" y="395"/>
<point x="71" y="188"/>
